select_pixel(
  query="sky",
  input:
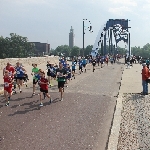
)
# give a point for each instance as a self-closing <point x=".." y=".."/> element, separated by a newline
<point x="49" y="21"/>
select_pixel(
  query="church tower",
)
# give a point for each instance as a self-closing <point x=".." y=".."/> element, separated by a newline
<point x="71" y="38"/>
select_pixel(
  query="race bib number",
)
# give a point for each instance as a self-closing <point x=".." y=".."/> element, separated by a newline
<point x="59" y="74"/>
<point x="18" y="72"/>
<point x="51" y="70"/>
<point x="10" y="73"/>
<point x="6" y="84"/>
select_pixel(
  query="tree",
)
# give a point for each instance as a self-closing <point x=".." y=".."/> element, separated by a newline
<point x="64" y="49"/>
<point x="15" y="46"/>
<point x="88" y="50"/>
<point x="75" y="51"/>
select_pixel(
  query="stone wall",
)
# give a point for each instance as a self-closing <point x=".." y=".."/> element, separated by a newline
<point x="29" y="61"/>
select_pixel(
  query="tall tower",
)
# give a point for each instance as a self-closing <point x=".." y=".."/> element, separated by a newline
<point x="71" y="38"/>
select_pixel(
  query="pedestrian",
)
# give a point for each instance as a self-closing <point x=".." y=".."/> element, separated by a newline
<point x="145" y="76"/>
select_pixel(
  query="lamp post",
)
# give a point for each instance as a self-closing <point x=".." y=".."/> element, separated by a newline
<point x="90" y="29"/>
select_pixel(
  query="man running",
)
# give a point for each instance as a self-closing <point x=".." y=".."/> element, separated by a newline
<point x="94" y="64"/>
<point x="84" y="63"/>
<point x="80" y="66"/>
<point x="43" y="82"/>
<point x="73" y="68"/>
<point x="48" y="71"/>
<point x="61" y="78"/>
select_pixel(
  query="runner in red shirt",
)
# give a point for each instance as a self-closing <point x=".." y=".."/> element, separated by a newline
<point x="7" y="86"/>
<point x="43" y="87"/>
<point x="11" y="70"/>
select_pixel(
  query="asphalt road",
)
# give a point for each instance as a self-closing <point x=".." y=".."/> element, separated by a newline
<point x="81" y="122"/>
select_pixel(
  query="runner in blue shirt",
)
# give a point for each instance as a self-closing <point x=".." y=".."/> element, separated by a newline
<point x="84" y="63"/>
<point x="73" y="68"/>
<point x="80" y="65"/>
<point x="20" y="71"/>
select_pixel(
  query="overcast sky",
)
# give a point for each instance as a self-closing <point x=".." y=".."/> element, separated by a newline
<point x="51" y="20"/>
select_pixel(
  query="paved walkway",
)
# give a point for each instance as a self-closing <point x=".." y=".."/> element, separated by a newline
<point x="82" y="121"/>
<point x="131" y="124"/>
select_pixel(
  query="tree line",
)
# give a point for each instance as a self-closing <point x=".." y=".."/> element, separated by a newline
<point x="15" y="46"/>
<point x="18" y="46"/>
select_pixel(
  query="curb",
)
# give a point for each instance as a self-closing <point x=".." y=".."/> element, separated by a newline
<point x="113" y="138"/>
<point x="115" y="128"/>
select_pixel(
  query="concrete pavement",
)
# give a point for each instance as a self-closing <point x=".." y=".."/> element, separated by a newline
<point x="131" y="121"/>
<point x="82" y="121"/>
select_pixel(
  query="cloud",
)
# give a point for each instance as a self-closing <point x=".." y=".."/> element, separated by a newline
<point x="119" y="10"/>
<point x="125" y="2"/>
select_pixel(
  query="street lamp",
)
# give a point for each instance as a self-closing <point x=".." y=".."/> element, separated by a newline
<point x="90" y="29"/>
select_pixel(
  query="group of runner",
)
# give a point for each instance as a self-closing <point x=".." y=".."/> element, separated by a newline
<point x="63" y="72"/>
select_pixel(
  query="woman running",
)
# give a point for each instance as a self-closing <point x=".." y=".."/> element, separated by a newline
<point x="20" y="71"/>
<point x="35" y="74"/>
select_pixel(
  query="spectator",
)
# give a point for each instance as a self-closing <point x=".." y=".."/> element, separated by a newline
<point x="145" y="76"/>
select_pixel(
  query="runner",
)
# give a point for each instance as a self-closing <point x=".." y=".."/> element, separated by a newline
<point x="84" y="63"/>
<point x="107" y="60"/>
<point x="43" y="82"/>
<point x="61" y="75"/>
<point x="52" y="74"/>
<point x="10" y="69"/>
<point x="7" y="87"/>
<point x="94" y="64"/>
<point x="68" y="77"/>
<point x="73" y="68"/>
<point x="48" y="71"/>
<point x="102" y="61"/>
<point x="80" y="66"/>
<point x="35" y="74"/>
<point x="20" y="71"/>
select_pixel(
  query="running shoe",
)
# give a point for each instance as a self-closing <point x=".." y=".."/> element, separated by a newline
<point x="7" y="103"/>
<point x="33" y="94"/>
<point x="50" y="100"/>
<point x="41" y="104"/>
<point x="62" y="99"/>
<point x="20" y="91"/>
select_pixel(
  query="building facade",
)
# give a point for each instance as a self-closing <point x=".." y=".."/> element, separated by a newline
<point x="71" y="38"/>
<point x="41" y="48"/>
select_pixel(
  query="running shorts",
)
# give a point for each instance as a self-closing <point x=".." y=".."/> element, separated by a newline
<point x="73" y="70"/>
<point x="43" y="91"/>
<point x="35" y="81"/>
<point x="8" y="89"/>
<point x="61" y="84"/>
<point x="84" y="65"/>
